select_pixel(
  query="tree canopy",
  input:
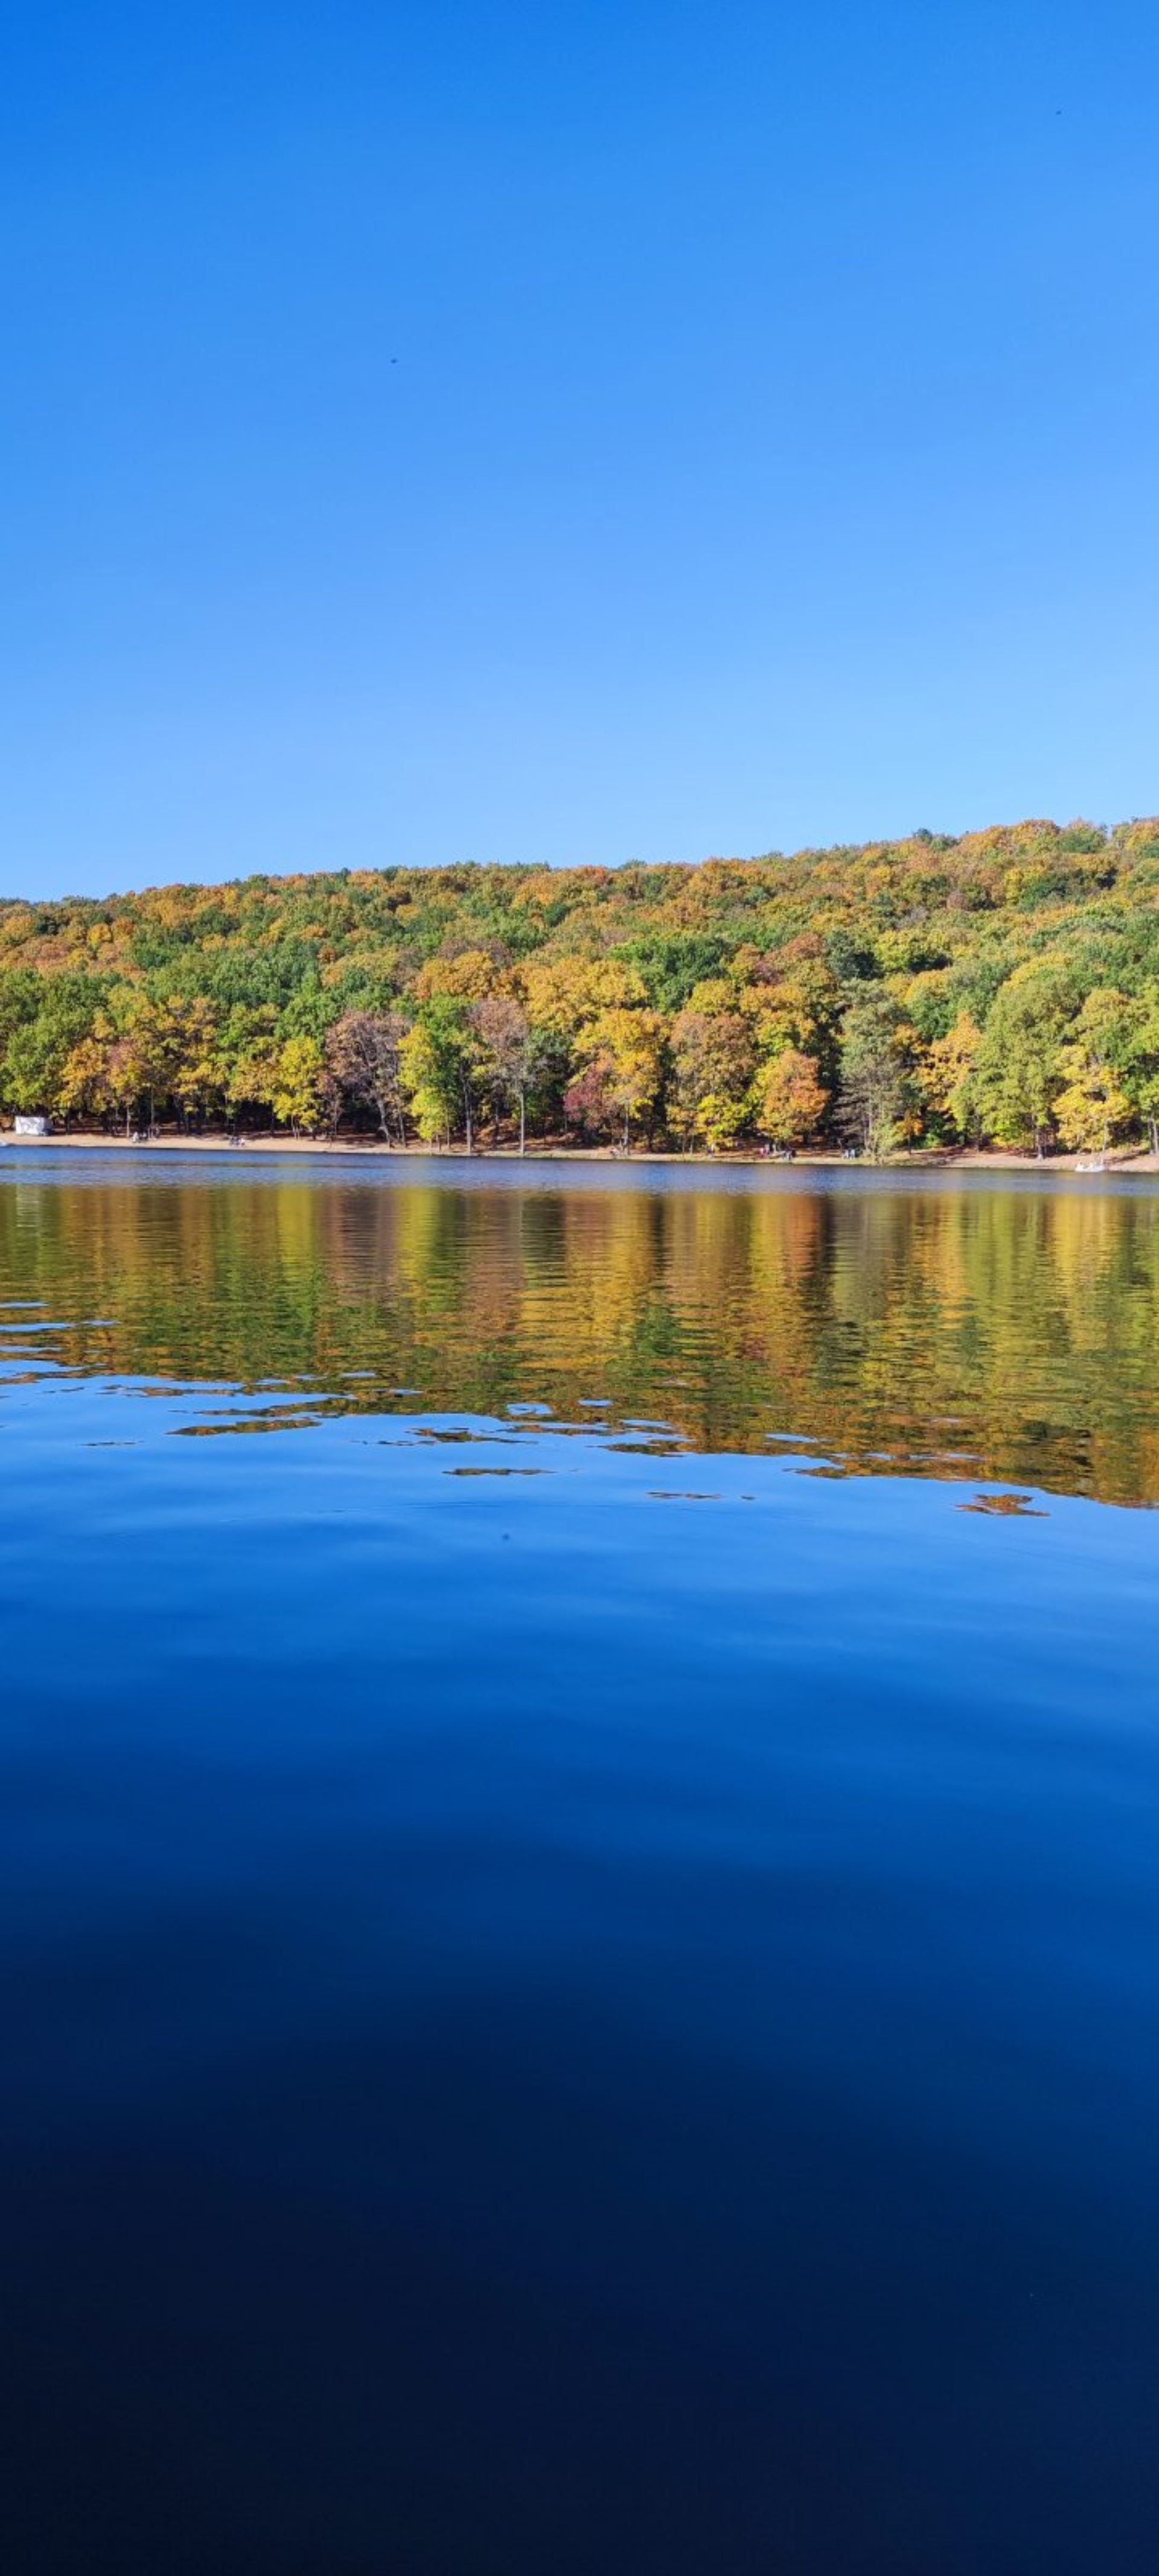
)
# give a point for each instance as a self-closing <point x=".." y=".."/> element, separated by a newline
<point x="1002" y="987"/>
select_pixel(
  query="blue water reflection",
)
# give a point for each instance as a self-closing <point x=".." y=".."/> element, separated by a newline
<point x="572" y="2004"/>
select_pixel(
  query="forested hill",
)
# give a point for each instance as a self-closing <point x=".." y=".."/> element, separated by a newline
<point x="1002" y="987"/>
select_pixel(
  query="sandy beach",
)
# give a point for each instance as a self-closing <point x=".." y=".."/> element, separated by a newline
<point x="371" y="1148"/>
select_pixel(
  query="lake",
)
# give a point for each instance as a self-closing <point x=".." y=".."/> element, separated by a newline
<point x="580" y="1916"/>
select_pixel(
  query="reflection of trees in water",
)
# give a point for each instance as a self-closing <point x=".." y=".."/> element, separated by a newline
<point x="1015" y="1328"/>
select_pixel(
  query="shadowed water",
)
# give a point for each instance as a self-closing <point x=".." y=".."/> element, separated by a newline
<point x="580" y="1920"/>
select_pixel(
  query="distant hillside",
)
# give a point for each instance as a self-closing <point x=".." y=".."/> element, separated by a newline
<point x="1002" y="987"/>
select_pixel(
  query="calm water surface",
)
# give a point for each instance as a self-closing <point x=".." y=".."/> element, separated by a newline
<point x="580" y="1917"/>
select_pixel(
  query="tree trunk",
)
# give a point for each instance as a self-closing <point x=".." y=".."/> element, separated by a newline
<point x="522" y="1123"/>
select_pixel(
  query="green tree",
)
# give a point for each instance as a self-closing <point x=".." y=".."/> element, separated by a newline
<point x="43" y="1031"/>
<point x="1138" y="1064"/>
<point x="439" y="1062"/>
<point x="877" y="1091"/>
<point x="1020" y="1068"/>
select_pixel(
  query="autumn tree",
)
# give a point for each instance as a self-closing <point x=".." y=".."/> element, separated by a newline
<point x="1094" y="1106"/>
<point x="195" y="1055"/>
<point x="948" y="1073"/>
<point x="252" y="1052"/>
<point x="793" y="1001"/>
<point x="622" y="1047"/>
<point x="587" y="1101"/>
<point x="713" y="1058"/>
<point x="296" y="1078"/>
<point x="510" y="1055"/>
<point x="141" y="1055"/>
<point x="364" y="1066"/>
<point x="789" y="1101"/>
<point x="929" y="979"/>
<point x="468" y="976"/>
<point x="565" y="995"/>
<point x="80" y="1090"/>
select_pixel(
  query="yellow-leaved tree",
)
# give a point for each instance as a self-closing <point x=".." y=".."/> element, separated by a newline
<point x="947" y="1072"/>
<point x="788" y="1099"/>
<point x="296" y="1078"/>
<point x="1093" y="1107"/>
<point x="623" y="1050"/>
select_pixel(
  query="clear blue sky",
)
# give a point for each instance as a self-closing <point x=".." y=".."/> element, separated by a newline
<point x="571" y="433"/>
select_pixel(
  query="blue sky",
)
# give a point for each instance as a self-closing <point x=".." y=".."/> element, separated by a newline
<point x="570" y="434"/>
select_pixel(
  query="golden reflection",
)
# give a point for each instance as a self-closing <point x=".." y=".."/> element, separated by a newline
<point x="1008" y="1334"/>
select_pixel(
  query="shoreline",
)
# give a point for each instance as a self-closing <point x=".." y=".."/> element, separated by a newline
<point x="374" y="1149"/>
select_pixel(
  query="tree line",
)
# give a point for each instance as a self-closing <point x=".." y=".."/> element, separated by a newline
<point x="1002" y="987"/>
